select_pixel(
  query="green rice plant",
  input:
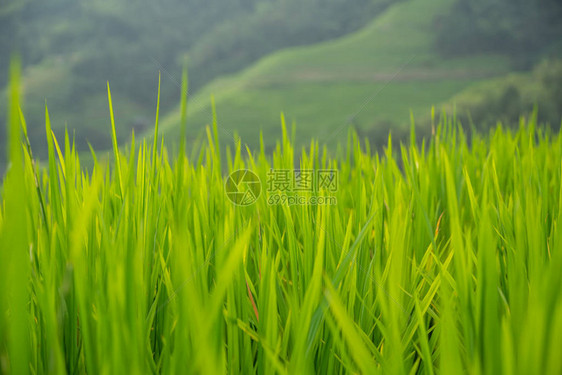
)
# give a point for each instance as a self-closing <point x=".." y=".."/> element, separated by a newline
<point x="442" y="256"/>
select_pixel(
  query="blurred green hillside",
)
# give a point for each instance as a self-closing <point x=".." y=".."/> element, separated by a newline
<point x="327" y="64"/>
<point x="370" y="80"/>
<point x="71" y="48"/>
<point x="372" y="77"/>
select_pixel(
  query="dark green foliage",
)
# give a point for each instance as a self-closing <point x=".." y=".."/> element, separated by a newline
<point x="506" y="99"/>
<point x="522" y="29"/>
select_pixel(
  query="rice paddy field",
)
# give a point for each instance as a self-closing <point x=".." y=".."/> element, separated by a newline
<point x="440" y="256"/>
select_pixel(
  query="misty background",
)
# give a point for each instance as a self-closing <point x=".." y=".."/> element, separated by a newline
<point x="326" y="64"/>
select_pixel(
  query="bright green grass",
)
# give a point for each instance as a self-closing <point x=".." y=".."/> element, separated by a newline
<point x="320" y="86"/>
<point x="439" y="258"/>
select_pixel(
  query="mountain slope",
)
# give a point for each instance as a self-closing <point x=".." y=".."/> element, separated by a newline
<point x="70" y="49"/>
<point x="371" y="78"/>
